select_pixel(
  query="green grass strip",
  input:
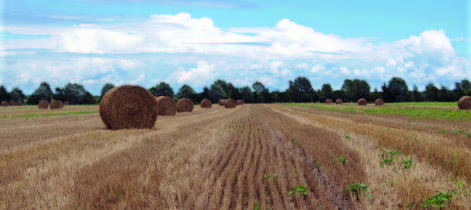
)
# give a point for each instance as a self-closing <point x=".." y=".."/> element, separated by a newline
<point x="31" y="115"/>
<point x="421" y="113"/>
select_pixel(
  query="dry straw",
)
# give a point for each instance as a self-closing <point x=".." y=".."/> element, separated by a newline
<point x="464" y="102"/>
<point x="230" y="103"/>
<point x="5" y="103"/>
<point x="328" y="101"/>
<point x="12" y="103"/>
<point x="221" y="102"/>
<point x="43" y="104"/>
<point x="56" y="104"/>
<point x="128" y="106"/>
<point x="379" y="102"/>
<point x="240" y="102"/>
<point x="339" y="101"/>
<point x="184" y="105"/>
<point x="66" y="103"/>
<point x="19" y="103"/>
<point x="167" y="106"/>
<point x="205" y="103"/>
<point x="362" y="102"/>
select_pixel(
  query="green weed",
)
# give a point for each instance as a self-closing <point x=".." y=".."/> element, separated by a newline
<point x="355" y="190"/>
<point x="439" y="199"/>
<point x="302" y="190"/>
<point x="341" y="159"/>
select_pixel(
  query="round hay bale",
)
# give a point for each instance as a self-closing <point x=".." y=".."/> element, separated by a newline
<point x="5" y="103"/>
<point x="328" y="101"/>
<point x="379" y="102"/>
<point x="66" y="103"/>
<point x="43" y="104"/>
<point x="464" y="102"/>
<point x="12" y="103"/>
<point x="19" y="103"/>
<point x="230" y="103"/>
<point x="184" y="105"/>
<point x="362" y="102"/>
<point x="221" y="102"/>
<point x="205" y="103"/>
<point x="240" y="102"/>
<point x="339" y="101"/>
<point x="128" y="106"/>
<point x="56" y="104"/>
<point x="167" y="106"/>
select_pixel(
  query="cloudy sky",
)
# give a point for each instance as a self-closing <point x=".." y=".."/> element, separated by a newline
<point x="195" y="42"/>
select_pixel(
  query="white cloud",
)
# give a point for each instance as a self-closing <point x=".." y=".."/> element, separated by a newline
<point x="345" y="70"/>
<point x="317" y="68"/>
<point x="302" y="66"/>
<point x="275" y="65"/>
<point x="200" y="75"/>
<point x="391" y="62"/>
<point x="409" y="64"/>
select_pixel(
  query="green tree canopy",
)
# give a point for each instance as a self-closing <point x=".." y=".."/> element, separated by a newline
<point x="301" y="90"/>
<point x="187" y="92"/>
<point x="105" y="89"/>
<point x="417" y="95"/>
<point x="4" y="96"/>
<point x="431" y="92"/>
<point x="162" y="89"/>
<point x="16" y="94"/>
<point x="397" y="90"/>
<point x="216" y="93"/>
<point x="72" y="92"/>
<point x="247" y="94"/>
<point x="43" y="92"/>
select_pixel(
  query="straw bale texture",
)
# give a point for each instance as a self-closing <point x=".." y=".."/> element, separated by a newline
<point x="240" y="102"/>
<point x="184" y="105"/>
<point x="19" y="103"/>
<point x="56" y="104"/>
<point x="379" y="102"/>
<point x="167" y="106"/>
<point x="5" y="103"/>
<point x="205" y="103"/>
<point x="66" y="103"/>
<point x="12" y="103"/>
<point x="339" y="101"/>
<point x="464" y="102"/>
<point x="362" y="102"/>
<point x="128" y="106"/>
<point x="328" y="101"/>
<point x="230" y="103"/>
<point x="221" y="102"/>
<point x="43" y="104"/>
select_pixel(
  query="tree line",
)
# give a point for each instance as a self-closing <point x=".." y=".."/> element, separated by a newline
<point x="299" y="90"/>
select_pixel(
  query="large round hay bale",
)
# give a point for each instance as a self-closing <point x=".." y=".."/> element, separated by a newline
<point x="379" y="102"/>
<point x="221" y="102"/>
<point x="240" y="102"/>
<point x="339" y="101"/>
<point x="5" y="103"/>
<point x="19" y="103"/>
<point x="184" y="105"/>
<point x="167" y="106"/>
<point x="12" y="103"/>
<point x="205" y="103"/>
<point x="43" y="104"/>
<point x="230" y="103"/>
<point x="128" y="106"/>
<point x="464" y="102"/>
<point x="362" y="102"/>
<point x="66" y="102"/>
<point x="328" y="101"/>
<point x="56" y="104"/>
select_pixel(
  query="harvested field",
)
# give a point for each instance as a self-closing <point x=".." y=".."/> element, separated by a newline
<point x="270" y="156"/>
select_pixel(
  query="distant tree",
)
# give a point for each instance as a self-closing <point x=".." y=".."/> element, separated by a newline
<point x="355" y="89"/>
<point x="466" y="84"/>
<point x="301" y="90"/>
<point x="216" y="93"/>
<point x="348" y="88"/>
<point x="338" y="94"/>
<point x="325" y="92"/>
<point x="261" y="93"/>
<point x="88" y="98"/>
<point x="417" y="95"/>
<point x="72" y="92"/>
<point x="162" y="89"/>
<point x="4" y="96"/>
<point x="285" y="97"/>
<point x="374" y="95"/>
<point x="398" y="90"/>
<point x="186" y="92"/>
<point x="431" y="92"/>
<point x="16" y="94"/>
<point x="385" y="95"/>
<point x="275" y="96"/>
<point x="458" y="91"/>
<point x="234" y="92"/>
<point x="445" y="95"/>
<point x="105" y="89"/>
<point x="246" y="94"/>
<point x="205" y="93"/>
<point x="43" y="92"/>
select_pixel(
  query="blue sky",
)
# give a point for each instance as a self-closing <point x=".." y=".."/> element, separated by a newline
<point x="144" y="42"/>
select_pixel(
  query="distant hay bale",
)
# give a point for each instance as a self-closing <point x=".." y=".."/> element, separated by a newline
<point x="5" y="103"/>
<point x="184" y="105"/>
<point x="128" y="106"/>
<point x="221" y="102"/>
<point x="328" y="101"/>
<point x="339" y="101"/>
<point x="379" y="102"/>
<point x="230" y="103"/>
<point x="56" y="104"/>
<point x="205" y="103"/>
<point x="167" y="106"/>
<point x="240" y="102"/>
<point x="19" y="103"/>
<point x="362" y="102"/>
<point x="12" y="103"/>
<point x="43" y="104"/>
<point x="464" y="102"/>
<point x="66" y="103"/>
